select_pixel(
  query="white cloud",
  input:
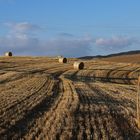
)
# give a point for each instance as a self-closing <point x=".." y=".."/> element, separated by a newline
<point x="22" y="29"/>
<point x="116" y="42"/>
<point x="59" y="46"/>
<point x="22" y="41"/>
<point x="69" y="46"/>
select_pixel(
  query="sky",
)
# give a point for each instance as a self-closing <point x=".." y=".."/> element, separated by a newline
<point x="72" y="28"/>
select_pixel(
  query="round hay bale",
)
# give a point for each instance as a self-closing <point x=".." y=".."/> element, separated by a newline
<point x="78" y="65"/>
<point x="62" y="60"/>
<point x="8" y="54"/>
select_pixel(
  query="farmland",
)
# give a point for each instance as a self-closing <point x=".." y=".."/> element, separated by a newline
<point x="43" y="99"/>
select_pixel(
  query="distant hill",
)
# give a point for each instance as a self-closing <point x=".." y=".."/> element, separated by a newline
<point x="129" y="57"/>
<point x="112" y="55"/>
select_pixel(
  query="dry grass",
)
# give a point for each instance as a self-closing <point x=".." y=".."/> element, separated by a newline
<point x="42" y="99"/>
<point x="125" y="58"/>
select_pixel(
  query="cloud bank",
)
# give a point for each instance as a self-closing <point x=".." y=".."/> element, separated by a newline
<point x="34" y="46"/>
<point x="22" y="39"/>
<point x="116" y="42"/>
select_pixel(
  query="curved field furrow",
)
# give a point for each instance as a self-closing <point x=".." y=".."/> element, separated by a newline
<point x="56" y="122"/>
<point x="23" y="106"/>
<point x="119" y="73"/>
<point x="100" y="107"/>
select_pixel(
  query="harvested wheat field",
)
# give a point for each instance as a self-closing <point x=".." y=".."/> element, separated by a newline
<point x="42" y="99"/>
<point x="124" y="58"/>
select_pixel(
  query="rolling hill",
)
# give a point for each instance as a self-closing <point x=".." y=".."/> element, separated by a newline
<point x="129" y="57"/>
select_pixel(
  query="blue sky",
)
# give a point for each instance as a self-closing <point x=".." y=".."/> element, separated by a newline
<point x="69" y="27"/>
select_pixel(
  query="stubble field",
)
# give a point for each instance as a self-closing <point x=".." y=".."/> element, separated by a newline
<point x="43" y="99"/>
